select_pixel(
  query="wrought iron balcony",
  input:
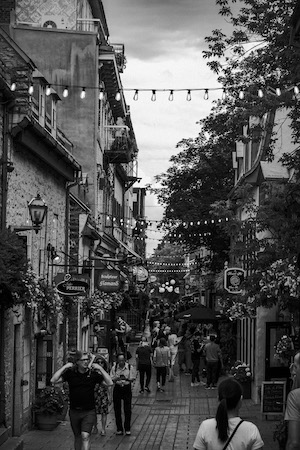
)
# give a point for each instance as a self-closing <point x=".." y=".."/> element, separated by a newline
<point x="118" y="145"/>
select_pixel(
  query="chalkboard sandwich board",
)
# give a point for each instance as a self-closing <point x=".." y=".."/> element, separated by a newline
<point x="273" y="397"/>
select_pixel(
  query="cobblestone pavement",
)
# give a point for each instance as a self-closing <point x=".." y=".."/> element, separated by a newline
<point x="160" y="420"/>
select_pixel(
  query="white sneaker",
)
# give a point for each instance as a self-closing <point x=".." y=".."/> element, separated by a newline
<point x="192" y="384"/>
<point x="196" y="384"/>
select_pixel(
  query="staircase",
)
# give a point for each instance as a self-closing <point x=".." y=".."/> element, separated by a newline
<point x="9" y="443"/>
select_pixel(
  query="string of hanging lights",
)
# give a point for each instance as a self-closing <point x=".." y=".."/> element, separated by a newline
<point x="241" y="91"/>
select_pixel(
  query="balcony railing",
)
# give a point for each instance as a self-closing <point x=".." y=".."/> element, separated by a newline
<point x="117" y="144"/>
<point x="92" y="25"/>
<point x="120" y="56"/>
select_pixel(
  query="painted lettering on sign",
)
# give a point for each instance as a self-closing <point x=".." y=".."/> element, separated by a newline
<point x="233" y="279"/>
<point x="109" y="280"/>
<point x="72" y="287"/>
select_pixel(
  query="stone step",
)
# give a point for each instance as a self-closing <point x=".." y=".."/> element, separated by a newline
<point x="3" y="435"/>
<point x="14" y="443"/>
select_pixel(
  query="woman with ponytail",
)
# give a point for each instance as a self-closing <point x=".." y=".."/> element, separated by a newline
<point x="227" y="430"/>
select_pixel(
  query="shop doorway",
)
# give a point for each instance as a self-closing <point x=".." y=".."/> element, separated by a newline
<point x="274" y="368"/>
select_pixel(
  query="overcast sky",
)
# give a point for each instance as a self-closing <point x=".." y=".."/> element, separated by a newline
<point x="163" y="42"/>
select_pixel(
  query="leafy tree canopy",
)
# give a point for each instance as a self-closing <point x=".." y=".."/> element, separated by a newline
<point x="256" y="56"/>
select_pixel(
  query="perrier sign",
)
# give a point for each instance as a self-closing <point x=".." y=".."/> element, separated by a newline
<point x="233" y="279"/>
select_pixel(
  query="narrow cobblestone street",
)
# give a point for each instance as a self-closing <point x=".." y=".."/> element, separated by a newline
<point x="167" y="420"/>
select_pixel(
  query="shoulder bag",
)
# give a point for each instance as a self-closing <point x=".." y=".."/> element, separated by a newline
<point x="232" y="434"/>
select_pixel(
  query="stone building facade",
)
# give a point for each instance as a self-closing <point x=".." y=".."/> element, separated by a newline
<point x="36" y="159"/>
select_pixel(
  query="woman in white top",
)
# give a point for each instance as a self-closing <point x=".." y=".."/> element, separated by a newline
<point x="173" y="342"/>
<point x="214" y="434"/>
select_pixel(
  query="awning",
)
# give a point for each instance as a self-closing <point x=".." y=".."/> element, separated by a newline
<point x="129" y="250"/>
<point x="198" y="314"/>
<point x="90" y="232"/>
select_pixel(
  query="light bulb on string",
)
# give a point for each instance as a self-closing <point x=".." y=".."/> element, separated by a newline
<point x="260" y="93"/>
<point x="224" y="94"/>
<point x="101" y="94"/>
<point x="206" y="94"/>
<point x="136" y="95"/>
<point x="241" y="95"/>
<point x="153" y="96"/>
<point x="82" y="94"/>
<point x="171" y="96"/>
<point x="48" y="90"/>
<point x="278" y="91"/>
<point x="296" y="90"/>
<point x="13" y="86"/>
<point x="30" y="89"/>
<point x="188" y="96"/>
<point x="118" y="96"/>
<point x="65" y="92"/>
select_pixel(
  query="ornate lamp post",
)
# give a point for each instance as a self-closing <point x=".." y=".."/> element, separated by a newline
<point x="37" y="210"/>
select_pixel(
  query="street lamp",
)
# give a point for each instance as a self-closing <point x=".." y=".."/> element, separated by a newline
<point x="37" y="210"/>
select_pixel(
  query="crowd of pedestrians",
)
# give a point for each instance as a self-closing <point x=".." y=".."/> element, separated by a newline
<point x="171" y="348"/>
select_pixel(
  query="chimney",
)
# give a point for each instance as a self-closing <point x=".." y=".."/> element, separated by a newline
<point x="7" y="7"/>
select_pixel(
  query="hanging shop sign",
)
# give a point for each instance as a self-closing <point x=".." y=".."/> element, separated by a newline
<point x="141" y="273"/>
<point x="109" y="280"/>
<point x="72" y="285"/>
<point x="233" y="279"/>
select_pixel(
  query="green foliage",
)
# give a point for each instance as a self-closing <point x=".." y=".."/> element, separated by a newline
<point x="101" y="301"/>
<point x="49" y="401"/>
<point x="13" y="262"/>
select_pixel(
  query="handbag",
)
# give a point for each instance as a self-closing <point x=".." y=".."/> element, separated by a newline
<point x="232" y="434"/>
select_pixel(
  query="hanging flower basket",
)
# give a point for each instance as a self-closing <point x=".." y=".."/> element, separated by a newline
<point x="100" y="301"/>
<point x="241" y="372"/>
<point x="284" y="349"/>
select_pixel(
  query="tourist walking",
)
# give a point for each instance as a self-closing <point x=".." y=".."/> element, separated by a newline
<point x="213" y="355"/>
<point x="122" y="375"/>
<point x="103" y="398"/>
<point x="161" y="361"/>
<point x="197" y="349"/>
<point x="82" y="380"/>
<point x="144" y="364"/>
<point x="173" y="341"/>
<point x="227" y="426"/>
<point x="188" y="352"/>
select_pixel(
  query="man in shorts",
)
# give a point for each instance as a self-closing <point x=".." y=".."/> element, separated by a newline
<point x="81" y="380"/>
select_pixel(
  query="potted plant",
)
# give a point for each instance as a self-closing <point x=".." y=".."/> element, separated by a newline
<point x="281" y="433"/>
<point x="242" y="373"/>
<point x="48" y="405"/>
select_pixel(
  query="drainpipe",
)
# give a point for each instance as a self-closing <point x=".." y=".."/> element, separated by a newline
<point x="69" y="185"/>
<point x="4" y="170"/>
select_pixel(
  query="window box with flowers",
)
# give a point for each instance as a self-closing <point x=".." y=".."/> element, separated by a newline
<point x="241" y="372"/>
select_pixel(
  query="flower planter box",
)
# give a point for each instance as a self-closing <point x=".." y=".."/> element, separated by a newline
<point x="46" y="422"/>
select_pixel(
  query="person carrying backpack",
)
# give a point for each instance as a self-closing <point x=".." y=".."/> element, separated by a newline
<point x="122" y="375"/>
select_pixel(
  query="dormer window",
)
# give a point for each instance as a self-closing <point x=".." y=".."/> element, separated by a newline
<point x="51" y="103"/>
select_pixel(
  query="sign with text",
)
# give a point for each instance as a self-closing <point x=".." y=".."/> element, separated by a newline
<point x="72" y="286"/>
<point x="109" y="280"/>
<point x="273" y="397"/>
<point x="233" y="279"/>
